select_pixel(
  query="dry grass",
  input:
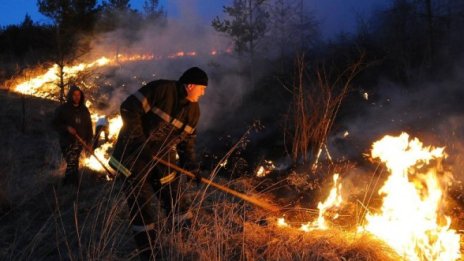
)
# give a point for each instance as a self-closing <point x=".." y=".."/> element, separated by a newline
<point x="316" y="102"/>
<point x="276" y="243"/>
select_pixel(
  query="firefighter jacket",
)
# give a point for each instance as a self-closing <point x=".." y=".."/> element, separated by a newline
<point x="77" y="117"/>
<point x="157" y="117"/>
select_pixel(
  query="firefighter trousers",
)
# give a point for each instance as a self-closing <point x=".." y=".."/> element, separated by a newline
<point x="151" y="181"/>
<point x="71" y="153"/>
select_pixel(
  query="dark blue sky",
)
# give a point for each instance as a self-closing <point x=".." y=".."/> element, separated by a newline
<point x="334" y="15"/>
<point x="13" y="11"/>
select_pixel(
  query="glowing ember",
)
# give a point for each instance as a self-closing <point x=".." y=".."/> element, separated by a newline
<point x="346" y="134"/>
<point x="267" y="168"/>
<point x="366" y="96"/>
<point x="412" y="195"/>
<point x="223" y="164"/>
<point x="261" y="172"/>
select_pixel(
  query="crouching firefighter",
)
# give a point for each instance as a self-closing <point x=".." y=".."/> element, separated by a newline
<point x="158" y="120"/>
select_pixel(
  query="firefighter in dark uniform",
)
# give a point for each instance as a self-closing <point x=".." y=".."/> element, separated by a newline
<point x="73" y="118"/>
<point x="158" y="120"/>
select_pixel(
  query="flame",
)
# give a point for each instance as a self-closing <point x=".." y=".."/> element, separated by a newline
<point x="115" y="125"/>
<point x="334" y="200"/>
<point x="37" y="86"/>
<point x="101" y="152"/>
<point x="281" y="222"/>
<point x="261" y="172"/>
<point x="135" y="57"/>
<point x="409" y="219"/>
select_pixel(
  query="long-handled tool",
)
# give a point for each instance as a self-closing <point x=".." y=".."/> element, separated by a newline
<point x="250" y="199"/>
<point x="109" y="174"/>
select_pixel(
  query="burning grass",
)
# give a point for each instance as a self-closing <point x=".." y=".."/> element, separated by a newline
<point x="292" y="244"/>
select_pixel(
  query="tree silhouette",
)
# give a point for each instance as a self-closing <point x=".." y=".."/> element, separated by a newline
<point x="72" y="19"/>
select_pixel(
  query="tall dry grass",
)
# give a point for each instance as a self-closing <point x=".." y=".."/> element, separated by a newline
<point x="317" y="97"/>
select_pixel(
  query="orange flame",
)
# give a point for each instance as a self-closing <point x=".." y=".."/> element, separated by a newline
<point x="334" y="200"/>
<point x="409" y="217"/>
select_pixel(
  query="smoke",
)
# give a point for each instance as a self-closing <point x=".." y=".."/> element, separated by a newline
<point x="430" y="111"/>
<point x="176" y="45"/>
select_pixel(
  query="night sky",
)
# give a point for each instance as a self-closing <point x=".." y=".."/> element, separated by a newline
<point x="334" y="16"/>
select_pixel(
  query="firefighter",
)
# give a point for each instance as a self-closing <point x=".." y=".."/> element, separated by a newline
<point x="71" y="118"/>
<point x="102" y="125"/>
<point x="158" y="120"/>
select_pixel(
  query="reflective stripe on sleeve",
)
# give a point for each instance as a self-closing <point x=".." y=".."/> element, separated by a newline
<point x="115" y="164"/>
<point x="168" y="179"/>
<point x="175" y="122"/>
<point x="143" y="228"/>
<point x="143" y="100"/>
<point x="189" y="129"/>
<point x="178" y="124"/>
<point x="163" y="115"/>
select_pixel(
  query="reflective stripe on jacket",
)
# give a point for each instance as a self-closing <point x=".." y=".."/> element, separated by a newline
<point x="157" y="114"/>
